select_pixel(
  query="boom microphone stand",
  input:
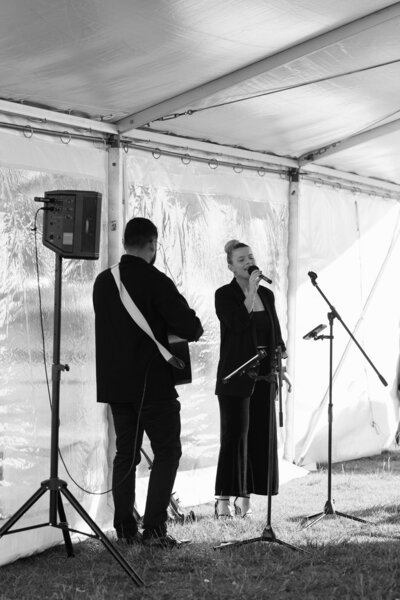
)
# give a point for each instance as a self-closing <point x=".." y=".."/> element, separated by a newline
<point x="57" y="487"/>
<point x="275" y="379"/>
<point x="329" y="508"/>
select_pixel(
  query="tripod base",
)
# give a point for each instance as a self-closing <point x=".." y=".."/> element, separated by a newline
<point x="57" y="489"/>
<point x="329" y="509"/>
<point x="267" y="535"/>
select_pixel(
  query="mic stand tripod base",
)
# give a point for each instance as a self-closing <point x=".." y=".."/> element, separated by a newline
<point x="267" y="535"/>
<point x="329" y="509"/>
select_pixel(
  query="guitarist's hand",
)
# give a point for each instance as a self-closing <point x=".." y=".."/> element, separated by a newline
<point x="176" y="362"/>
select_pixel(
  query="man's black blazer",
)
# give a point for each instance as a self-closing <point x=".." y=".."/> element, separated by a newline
<point x="238" y="336"/>
<point x="123" y="351"/>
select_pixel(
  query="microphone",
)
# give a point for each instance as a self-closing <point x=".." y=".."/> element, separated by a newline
<point x="313" y="276"/>
<point x="263" y="277"/>
<point x="311" y="335"/>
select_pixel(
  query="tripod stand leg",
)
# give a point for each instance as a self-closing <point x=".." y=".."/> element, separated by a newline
<point x="64" y="526"/>
<point x="21" y="511"/>
<point x="313" y="519"/>
<point x="329" y="509"/>
<point x="268" y="535"/>
<point x="340" y="514"/>
<point x="103" y="538"/>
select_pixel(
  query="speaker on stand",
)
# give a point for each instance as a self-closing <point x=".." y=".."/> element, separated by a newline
<point x="71" y="228"/>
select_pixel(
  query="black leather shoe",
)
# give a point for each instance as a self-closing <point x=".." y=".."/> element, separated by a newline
<point x="158" y="538"/>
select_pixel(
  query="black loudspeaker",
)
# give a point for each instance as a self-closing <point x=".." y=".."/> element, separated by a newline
<point x="71" y="223"/>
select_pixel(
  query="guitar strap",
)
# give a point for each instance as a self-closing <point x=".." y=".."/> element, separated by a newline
<point x="138" y="316"/>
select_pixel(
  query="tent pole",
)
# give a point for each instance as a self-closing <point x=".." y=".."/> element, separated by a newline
<point x="293" y="242"/>
<point x="115" y="228"/>
<point x="115" y="204"/>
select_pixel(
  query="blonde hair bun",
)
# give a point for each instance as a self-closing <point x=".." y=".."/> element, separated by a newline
<point x="229" y="245"/>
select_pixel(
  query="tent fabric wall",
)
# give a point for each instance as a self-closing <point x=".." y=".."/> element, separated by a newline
<point x="352" y="242"/>
<point x="28" y="169"/>
<point x="197" y="209"/>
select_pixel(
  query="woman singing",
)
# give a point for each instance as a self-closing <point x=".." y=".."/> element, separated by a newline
<point x="248" y="322"/>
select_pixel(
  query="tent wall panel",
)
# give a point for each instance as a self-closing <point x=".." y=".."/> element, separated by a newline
<point x="352" y="243"/>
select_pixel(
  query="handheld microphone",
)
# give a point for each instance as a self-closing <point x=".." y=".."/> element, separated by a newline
<point x="255" y="268"/>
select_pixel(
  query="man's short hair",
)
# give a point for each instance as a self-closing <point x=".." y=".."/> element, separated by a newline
<point x="139" y="232"/>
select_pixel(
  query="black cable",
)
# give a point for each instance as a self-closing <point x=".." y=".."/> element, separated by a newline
<point x="34" y="229"/>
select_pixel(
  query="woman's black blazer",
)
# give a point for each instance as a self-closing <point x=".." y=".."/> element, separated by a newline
<point x="238" y="336"/>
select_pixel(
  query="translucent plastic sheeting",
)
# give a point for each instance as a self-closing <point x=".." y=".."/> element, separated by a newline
<point x="197" y="210"/>
<point x="352" y="243"/>
<point x="25" y="424"/>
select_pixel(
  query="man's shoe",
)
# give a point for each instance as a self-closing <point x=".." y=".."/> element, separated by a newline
<point x="130" y="540"/>
<point x="158" y="538"/>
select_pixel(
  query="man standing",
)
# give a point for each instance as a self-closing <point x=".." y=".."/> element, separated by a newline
<point x="137" y="381"/>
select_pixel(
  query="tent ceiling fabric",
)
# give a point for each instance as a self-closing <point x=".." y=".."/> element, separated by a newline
<point x="106" y="61"/>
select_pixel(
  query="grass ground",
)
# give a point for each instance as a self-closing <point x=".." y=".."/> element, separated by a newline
<point x="344" y="559"/>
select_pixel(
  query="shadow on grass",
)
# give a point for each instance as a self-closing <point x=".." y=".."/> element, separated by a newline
<point x="340" y="569"/>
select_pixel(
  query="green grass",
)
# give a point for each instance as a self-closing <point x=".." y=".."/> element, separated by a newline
<point x="344" y="559"/>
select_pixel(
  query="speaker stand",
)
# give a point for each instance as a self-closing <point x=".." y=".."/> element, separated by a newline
<point x="55" y="486"/>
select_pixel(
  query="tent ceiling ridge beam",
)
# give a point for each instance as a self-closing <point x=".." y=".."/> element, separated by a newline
<point x="326" y="173"/>
<point x="29" y="131"/>
<point x="44" y="115"/>
<point x="212" y="161"/>
<point x="354" y="140"/>
<point x="190" y="145"/>
<point x="260" y="67"/>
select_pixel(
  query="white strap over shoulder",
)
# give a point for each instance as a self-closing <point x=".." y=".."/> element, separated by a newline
<point x="136" y="314"/>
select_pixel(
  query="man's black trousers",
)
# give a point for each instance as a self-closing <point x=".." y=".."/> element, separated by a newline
<point x="160" y="419"/>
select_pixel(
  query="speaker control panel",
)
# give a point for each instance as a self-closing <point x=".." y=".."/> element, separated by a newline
<point x="71" y="223"/>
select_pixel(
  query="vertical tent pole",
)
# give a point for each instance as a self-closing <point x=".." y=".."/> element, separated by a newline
<point x="115" y="227"/>
<point x="115" y="231"/>
<point x="293" y="243"/>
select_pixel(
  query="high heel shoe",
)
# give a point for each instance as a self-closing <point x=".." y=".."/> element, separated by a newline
<point x="243" y="511"/>
<point x="223" y="509"/>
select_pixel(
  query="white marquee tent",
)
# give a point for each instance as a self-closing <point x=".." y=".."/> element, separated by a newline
<point x="274" y="121"/>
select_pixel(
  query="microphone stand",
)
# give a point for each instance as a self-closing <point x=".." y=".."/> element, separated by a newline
<point x="56" y="486"/>
<point x="275" y="379"/>
<point x="329" y="508"/>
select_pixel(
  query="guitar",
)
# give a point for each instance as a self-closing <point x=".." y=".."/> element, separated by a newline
<point x="180" y="349"/>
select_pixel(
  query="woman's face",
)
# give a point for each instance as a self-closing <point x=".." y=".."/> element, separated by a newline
<point x="242" y="259"/>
